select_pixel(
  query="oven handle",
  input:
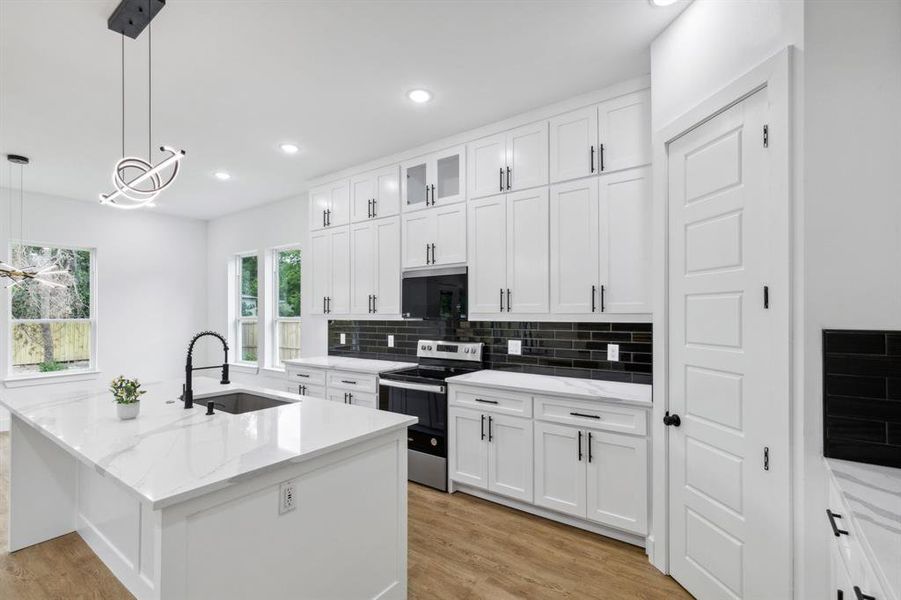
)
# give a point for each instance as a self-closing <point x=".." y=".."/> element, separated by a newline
<point x="406" y="385"/>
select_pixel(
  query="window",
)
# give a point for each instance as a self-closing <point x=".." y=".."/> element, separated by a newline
<point x="286" y="313"/>
<point x="52" y="325"/>
<point x="247" y="305"/>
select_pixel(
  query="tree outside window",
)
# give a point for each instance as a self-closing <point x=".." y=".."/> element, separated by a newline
<point x="248" y="298"/>
<point x="287" y="298"/>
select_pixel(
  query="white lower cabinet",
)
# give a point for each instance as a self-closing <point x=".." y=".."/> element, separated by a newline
<point x="559" y="469"/>
<point x="346" y="387"/>
<point x="617" y="482"/>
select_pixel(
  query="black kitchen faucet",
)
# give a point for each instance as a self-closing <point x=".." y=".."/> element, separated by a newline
<point x="187" y="390"/>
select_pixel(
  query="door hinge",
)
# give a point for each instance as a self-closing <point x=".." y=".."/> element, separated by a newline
<point x="766" y="458"/>
<point x="766" y="136"/>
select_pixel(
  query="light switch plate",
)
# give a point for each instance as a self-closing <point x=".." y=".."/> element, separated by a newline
<point x="612" y="352"/>
<point x="391" y="341"/>
<point x="514" y="347"/>
<point x="343" y="338"/>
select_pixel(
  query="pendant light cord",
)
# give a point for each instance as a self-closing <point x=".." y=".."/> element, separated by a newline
<point x="123" y="95"/>
<point x="149" y="89"/>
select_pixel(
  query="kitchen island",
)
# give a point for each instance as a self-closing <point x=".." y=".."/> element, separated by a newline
<point x="180" y="504"/>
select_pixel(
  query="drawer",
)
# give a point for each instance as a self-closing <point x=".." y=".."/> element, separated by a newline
<point x="348" y="380"/>
<point x="490" y="400"/>
<point x="311" y="391"/>
<point x="593" y="415"/>
<point x="305" y="375"/>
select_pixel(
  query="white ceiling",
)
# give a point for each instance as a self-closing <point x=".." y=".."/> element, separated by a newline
<point x="233" y="79"/>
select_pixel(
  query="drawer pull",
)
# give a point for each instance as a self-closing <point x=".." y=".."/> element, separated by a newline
<point x="301" y="374"/>
<point x="348" y="381"/>
<point x="576" y="414"/>
<point x="486" y="401"/>
<point x="861" y="596"/>
<point x="832" y="517"/>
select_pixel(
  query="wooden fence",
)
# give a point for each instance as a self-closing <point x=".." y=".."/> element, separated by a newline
<point x="71" y="341"/>
<point x="289" y="340"/>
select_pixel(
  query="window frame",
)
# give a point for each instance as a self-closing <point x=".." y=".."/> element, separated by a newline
<point x="239" y="318"/>
<point x="92" y="320"/>
<point x="276" y="359"/>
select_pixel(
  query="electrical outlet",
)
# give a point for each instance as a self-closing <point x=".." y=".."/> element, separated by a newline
<point x="514" y="347"/>
<point x="343" y="338"/>
<point x="287" y="494"/>
<point x="613" y="352"/>
<point x="391" y="341"/>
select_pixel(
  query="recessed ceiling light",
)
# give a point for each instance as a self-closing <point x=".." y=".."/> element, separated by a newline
<point x="289" y="148"/>
<point x="222" y="176"/>
<point x="419" y="96"/>
<point x="663" y="2"/>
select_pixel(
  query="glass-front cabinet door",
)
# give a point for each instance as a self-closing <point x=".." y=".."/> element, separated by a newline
<point x="438" y="178"/>
<point x="414" y="178"/>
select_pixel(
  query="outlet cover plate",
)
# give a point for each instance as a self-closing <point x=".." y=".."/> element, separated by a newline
<point x="390" y="341"/>
<point x="613" y="352"/>
<point x="514" y="347"/>
<point x="287" y="497"/>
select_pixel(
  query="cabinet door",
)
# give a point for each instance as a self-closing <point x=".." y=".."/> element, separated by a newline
<point x="624" y="132"/>
<point x="486" y="169"/>
<point x="362" y="275"/>
<point x="487" y="255"/>
<point x="414" y="176"/>
<point x="618" y="480"/>
<point x="386" y="262"/>
<point x="527" y="251"/>
<point x="320" y="202"/>
<point x="510" y="456"/>
<point x="449" y="235"/>
<point x="386" y="192"/>
<point x="468" y="447"/>
<point x="320" y="270"/>
<point x="574" y="247"/>
<point x="527" y="156"/>
<point x="339" y="396"/>
<point x="340" y="284"/>
<point x="363" y="399"/>
<point x="340" y="204"/>
<point x="572" y="138"/>
<point x="559" y="468"/>
<point x="625" y="240"/>
<point x="418" y="232"/>
<point x="448" y="175"/>
<point x="362" y="192"/>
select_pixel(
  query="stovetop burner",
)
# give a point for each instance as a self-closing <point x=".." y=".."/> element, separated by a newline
<point x="440" y="360"/>
<point x="428" y="373"/>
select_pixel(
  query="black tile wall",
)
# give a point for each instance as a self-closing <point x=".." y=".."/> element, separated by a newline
<point x="565" y="349"/>
<point x="862" y="396"/>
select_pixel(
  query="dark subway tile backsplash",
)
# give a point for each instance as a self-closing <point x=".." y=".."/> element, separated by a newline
<point x="563" y="349"/>
<point x="862" y="396"/>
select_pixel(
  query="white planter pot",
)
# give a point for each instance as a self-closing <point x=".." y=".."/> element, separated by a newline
<point x="128" y="411"/>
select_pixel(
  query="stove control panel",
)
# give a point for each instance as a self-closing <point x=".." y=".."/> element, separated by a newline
<point x="471" y="351"/>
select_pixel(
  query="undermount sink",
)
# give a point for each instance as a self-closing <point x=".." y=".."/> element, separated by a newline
<point x="238" y="403"/>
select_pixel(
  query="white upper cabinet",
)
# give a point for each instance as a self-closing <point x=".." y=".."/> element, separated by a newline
<point x="375" y="194"/>
<point x="330" y="205"/>
<point x="319" y="268"/>
<point x="331" y="271"/>
<point x="375" y="267"/>
<point x="433" y="180"/>
<point x="434" y="237"/>
<point x="606" y="137"/>
<point x="362" y="275"/>
<point x="510" y="161"/>
<point x="487" y="254"/>
<point x="575" y="243"/>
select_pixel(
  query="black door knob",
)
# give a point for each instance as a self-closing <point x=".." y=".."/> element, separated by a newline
<point x="671" y="420"/>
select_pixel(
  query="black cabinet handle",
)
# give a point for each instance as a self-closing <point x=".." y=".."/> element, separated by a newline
<point x="433" y="194"/>
<point x="861" y="596"/>
<point x="373" y="207"/>
<point x="323" y="218"/>
<point x="490" y="433"/>
<point x="576" y="414"/>
<point x="502" y="299"/>
<point x="323" y="305"/>
<point x="345" y="397"/>
<point x="328" y="217"/>
<point x="302" y="375"/>
<point x="603" y="298"/>
<point x="601" y="157"/>
<point x="592" y="160"/>
<point x="369" y="208"/>
<point x="671" y="420"/>
<point x="373" y="303"/>
<point x="589" y="447"/>
<point x="580" y="446"/>
<point x="369" y="304"/>
<point x="835" y="530"/>
<point x="349" y="381"/>
<point x="483" y="427"/>
<point x="508" y="178"/>
<point x="594" y="290"/>
<point x="509" y="304"/>
<point x="433" y="248"/>
<point x="426" y="254"/>
<point x="500" y="179"/>
<point x="486" y="401"/>
<point x="426" y="194"/>
<point x="328" y="304"/>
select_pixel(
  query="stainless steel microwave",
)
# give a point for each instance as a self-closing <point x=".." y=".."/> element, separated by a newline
<point x="434" y="294"/>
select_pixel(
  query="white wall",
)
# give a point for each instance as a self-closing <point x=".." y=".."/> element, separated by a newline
<point x="256" y="230"/>
<point x="151" y="288"/>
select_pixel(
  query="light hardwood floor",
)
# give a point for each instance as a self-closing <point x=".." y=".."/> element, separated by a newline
<point x="460" y="548"/>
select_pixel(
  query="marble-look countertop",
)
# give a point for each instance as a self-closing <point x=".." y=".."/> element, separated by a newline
<point x="873" y="494"/>
<point x="583" y="389"/>
<point x="169" y="454"/>
<point x="347" y="363"/>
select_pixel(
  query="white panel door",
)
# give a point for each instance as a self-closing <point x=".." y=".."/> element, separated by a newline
<point x="510" y="456"/>
<point x="386" y="192"/>
<point x="418" y="232"/>
<point x="386" y="262"/>
<point x="362" y="192"/>
<point x="624" y="132"/>
<point x="320" y="203"/>
<point x="729" y="515"/>
<point x="468" y="447"/>
<point x="527" y="251"/>
<point x="527" y="157"/>
<point x="447" y="178"/>
<point x="337" y="396"/>
<point x="362" y="274"/>
<point x="625" y="237"/>
<point x="487" y="254"/>
<point x="320" y="269"/>
<point x="560" y="468"/>
<point x="573" y="142"/>
<point x="450" y="235"/>
<point x="340" y="285"/>
<point x="574" y="251"/>
<point x="487" y="166"/>
<point x="618" y="480"/>
<point x="340" y="203"/>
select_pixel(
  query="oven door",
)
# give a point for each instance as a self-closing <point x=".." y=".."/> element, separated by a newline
<point x="426" y="402"/>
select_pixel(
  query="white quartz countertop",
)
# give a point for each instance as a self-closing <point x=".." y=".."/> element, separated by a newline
<point x="584" y="389"/>
<point x="169" y="454"/>
<point x="873" y="494"/>
<point x="347" y="363"/>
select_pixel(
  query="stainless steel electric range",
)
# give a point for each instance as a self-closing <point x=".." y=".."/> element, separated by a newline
<point x="421" y="391"/>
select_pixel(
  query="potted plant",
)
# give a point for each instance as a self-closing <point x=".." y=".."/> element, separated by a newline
<point x="127" y="394"/>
